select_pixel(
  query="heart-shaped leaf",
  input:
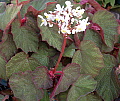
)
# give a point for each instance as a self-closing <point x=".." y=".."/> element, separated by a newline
<point x="24" y="38"/>
<point x="7" y="46"/>
<point x="89" y="57"/>
<point x="69" y="51"/>
<point x="106" y="21"/>
<point x="93" y="36"/>
<point x="21" y="62"/>
<point x="70" y="74"/>
<point x="8" y="16"/>
<point x="108" y="86"/>
<point x="46" y="96"/>
<point x="23" y="87"/>
<point x="2" y="68"/>
<point x="36" y="4"/>
<point x="51" y="35"/>
<point x="44" y="53"/>
<point x="91" y="97"/>
<point x="2" y="7"/>
<point x="112" y="2"/>
<point x="109" y="60"/>
<point x="41" y="78"/>
<point x="84" y="85"/>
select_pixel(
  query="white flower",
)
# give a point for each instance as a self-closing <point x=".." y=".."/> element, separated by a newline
<point x="44" y="22"/>
<point x="65" y="30"/>
<point x="68" y="20"/>
<point x="59" y="8"/>
<point x="49" y="17"/>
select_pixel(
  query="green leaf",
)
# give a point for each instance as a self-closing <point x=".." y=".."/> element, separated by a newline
<point x="19" y="1"/>
<point x="70" y="74"/>
<point x="51" y="35"/>
<point x="106" y="21"/>
<point x="2" y="68"/>
<point x="2" y="7"/>
<point x="8" y="16"/>
<point x="62" y="96"/>
<point x="41" y="78"/>
<point x="93" y="36"/>
<point x="89" y="58"/>
<point x="24" y="38"/>
<point x="109" y="60"/>
<point x="44" y="53"/>
<point x="1" y="97"/>
<point x="7" y="46"/>
<point x="84" y="85"/>
<point x="23" y="87"/>
<point x="108" y="86"/>
<point x="37" y="4"/>
<point x="42" y="57"/>
<point x="21" y="62"/>
<point x="91" y="97"/>
<point x="112" y="2"/>
<point x="46" y="96"/>
<point x="69" y="51"/>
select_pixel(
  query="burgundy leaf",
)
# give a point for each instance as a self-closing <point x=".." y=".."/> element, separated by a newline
<point x="41" y="78"/>
<point x="70" y="74"/>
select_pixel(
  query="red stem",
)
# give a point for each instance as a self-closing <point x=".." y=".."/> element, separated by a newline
<point x="17" y="2"/>
<point x="77" y="40"/>
<point x="61" y="54"/>
<point x="95" y="4"/>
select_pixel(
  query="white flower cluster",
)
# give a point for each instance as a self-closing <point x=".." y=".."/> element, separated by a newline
<point x="68" y="20"/>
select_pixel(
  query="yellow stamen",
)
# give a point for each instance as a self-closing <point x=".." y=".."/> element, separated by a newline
<point x="46" y="16"/>
<point x="63" y="31"/>
<point x="43" y="20"/>
<point x="57" y="19"/>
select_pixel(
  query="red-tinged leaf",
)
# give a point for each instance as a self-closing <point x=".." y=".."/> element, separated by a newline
<point x="106" y="21"/>
<point x="69" y="51"/>
<point x="7" y="46"/>
<point x="46" y="96"/>
<point x="2" y="7"/>
<point x="89" y="58"/>
<point x="44" y="54"/>
<point x="70" y="74"/>
<point x="39" y="5"/>
<point x="8" y="16"/>
<point x="2" y="68"/>
<point x="82" y="2"/>
<point x="51" y="35"/>
<point x="91" y="97"/>
<point x="24" y="37"/>
<point x="84" y="85"/>
<point x="109" y="61"/>
<point x="108" y="86"/>
<point x="23" y="87"/>
<point x="98" y="29"/>
<point x="21" y="62"/>
<point x="23" y="2"/>
<point x="93" y="36"/>
<point x="41" y="78"/>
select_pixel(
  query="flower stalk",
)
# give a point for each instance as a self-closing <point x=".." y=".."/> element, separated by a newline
<point x="61" y="54"/>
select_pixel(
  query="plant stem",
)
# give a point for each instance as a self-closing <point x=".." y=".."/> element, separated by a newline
<point x="95" y="4"/>
<point x="61" y="54"/>
<point x="77" y="40"/>
<point x="17" y="2"/>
